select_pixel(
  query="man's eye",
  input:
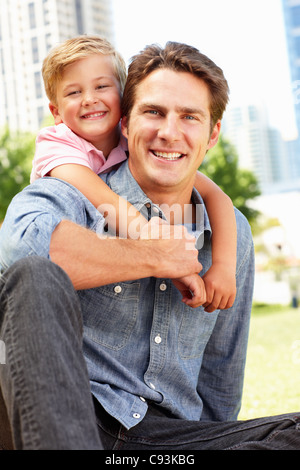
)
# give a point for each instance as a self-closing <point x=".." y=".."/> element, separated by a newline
<point x="152" y="111"/>
<point x="191" y="118"/>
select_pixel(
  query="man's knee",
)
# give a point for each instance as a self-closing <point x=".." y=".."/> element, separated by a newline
<point x="34" y="272"/>
<point x="35" y="284"/>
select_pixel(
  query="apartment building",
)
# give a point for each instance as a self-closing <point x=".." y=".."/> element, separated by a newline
<point x="28" y="30"/>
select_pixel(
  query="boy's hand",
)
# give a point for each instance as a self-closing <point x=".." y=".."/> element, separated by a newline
<point x="220" y="285"/>
<point x="192" y="289"/>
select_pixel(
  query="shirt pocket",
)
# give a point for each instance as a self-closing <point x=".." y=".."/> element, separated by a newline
<point x="195" y="331"/>
<point x="110" y="313"/>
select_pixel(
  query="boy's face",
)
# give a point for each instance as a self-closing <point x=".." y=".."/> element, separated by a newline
<point x="169" y="132"/>
<point x="89" y="101"/>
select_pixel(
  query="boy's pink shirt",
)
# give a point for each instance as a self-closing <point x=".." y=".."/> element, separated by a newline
<point x="57" y="145"/>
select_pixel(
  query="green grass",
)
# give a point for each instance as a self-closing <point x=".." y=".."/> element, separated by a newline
<point x="272" y="377"/>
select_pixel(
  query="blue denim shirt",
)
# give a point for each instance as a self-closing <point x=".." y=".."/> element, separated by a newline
<point x="141" y="343"/>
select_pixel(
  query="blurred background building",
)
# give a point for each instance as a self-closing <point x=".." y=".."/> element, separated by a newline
<point x="28" y="30"/>
<point x="260" y="148"/>
<point x="275" y="162"/>
<point x="291" y="15"/>
<point x="291" y="11"/>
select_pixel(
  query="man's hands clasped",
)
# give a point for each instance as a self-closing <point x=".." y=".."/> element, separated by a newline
<point x="178" y="260"/>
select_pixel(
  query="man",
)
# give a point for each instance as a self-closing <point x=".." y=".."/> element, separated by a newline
<point x="162" y="375"/>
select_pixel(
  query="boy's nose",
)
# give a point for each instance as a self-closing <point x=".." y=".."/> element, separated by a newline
<point x="89" y="98"/>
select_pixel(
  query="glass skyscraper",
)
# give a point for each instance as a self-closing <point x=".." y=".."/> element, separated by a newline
<point x="291" y="10"/>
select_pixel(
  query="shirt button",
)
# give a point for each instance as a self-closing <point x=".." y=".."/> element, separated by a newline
<point x="151" y="385"/>
<point x="163" y="286"/>
<point x="148" y="205"/>
<point x="155" y="209"/>
<point x="143" y="399"/>
<point x="136" y="415"/>
<point x="118" y="289"/>
<point x="157" y="339"/>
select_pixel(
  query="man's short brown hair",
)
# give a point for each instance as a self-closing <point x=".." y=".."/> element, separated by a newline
<point x="180" y="58"/>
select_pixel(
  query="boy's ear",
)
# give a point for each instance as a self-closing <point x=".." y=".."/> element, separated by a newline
<point x="55" y="113"/>
<point x="214" y="135"/>
<point x="124" y="126"/>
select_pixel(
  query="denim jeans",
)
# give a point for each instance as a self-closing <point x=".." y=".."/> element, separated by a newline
<point x="159" y="432"/>
<point x="44" y="380"/>
<point x="47" y="402"/>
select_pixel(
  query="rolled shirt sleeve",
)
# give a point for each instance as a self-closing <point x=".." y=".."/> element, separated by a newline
<point x="35" y="212"/>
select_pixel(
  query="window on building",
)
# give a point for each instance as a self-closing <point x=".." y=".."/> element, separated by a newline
<point x="295" y="16"/>
<point x="79" y="15"/>
<point x="252" y="111"/>
<point x="48" y="42"/>
<point x="46" y="12"/>
<point x="35" y="50"/>
<point x="31" y="12"/>
<point x="297" y="46"/>
<point x="40" y="115"/>
<point x="38" y="85"/>
<point x="2" y="62"/>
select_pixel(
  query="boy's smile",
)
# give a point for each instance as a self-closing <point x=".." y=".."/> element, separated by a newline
<point x="89" y="100"/>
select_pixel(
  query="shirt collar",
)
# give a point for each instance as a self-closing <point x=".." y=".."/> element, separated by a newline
<point x="123" y="183"/>
<point x="116" y="156"/>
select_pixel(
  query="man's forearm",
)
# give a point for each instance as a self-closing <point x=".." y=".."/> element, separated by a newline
<point x="91" y="261"/>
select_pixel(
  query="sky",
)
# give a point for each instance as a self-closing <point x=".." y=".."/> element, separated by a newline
<point x="246" y="38"/>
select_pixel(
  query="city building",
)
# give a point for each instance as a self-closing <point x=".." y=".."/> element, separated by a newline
<point x="259" y="147"/>
<point x="291" y="12"/>
<point x="28" y="30"/>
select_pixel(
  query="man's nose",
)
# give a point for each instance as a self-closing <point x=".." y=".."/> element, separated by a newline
<point x="169" y="128"/>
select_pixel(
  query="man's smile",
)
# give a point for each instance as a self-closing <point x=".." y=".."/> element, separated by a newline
<point x="171" y="156"/>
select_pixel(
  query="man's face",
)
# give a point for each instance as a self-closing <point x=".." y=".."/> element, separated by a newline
<point x="169" y="132"/>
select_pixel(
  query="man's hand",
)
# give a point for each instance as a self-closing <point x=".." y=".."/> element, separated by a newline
<point x="92" y="261"/>
<point x="173" y="247"/>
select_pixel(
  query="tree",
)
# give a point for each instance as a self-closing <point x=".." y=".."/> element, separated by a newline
<point x="16" y="154"/>
<point x="221" y="165"/>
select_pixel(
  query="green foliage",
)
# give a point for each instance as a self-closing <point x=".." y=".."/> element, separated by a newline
<point x="221" y="165"/>
<point x="16" y="154"/>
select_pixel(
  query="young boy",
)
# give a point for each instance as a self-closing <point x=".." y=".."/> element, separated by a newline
<point x="84" y="80"/>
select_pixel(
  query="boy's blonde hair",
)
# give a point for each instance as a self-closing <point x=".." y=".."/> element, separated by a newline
<point x="75" y="49"/>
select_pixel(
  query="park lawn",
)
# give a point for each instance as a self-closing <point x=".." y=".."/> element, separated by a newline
<point x="272" y="376"/>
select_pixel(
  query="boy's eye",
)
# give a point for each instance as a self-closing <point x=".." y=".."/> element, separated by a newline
<point x="75" y="92"/>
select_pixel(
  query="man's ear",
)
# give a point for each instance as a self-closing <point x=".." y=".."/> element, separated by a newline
<point x="214" y="137"/>
<point x="55" y="113"/>
<point x="124" y="126"/>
